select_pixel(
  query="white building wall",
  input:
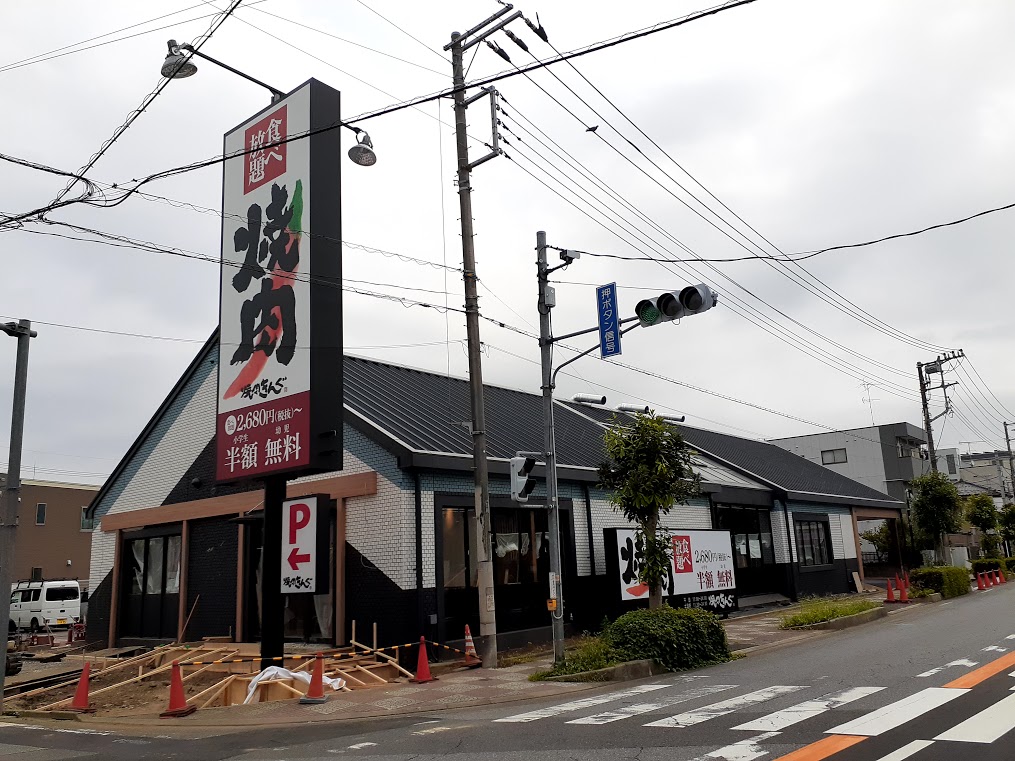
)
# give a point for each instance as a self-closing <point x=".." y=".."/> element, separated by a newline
<point x="865" y="457"/>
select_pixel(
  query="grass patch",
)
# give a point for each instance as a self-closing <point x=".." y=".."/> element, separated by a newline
<point x="818" y="610"/>
<point x="588" y="654"/>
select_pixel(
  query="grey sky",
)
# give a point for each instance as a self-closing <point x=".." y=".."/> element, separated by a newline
<point x="819" y="123"/>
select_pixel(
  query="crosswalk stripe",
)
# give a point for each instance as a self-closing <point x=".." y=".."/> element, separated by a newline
<point x="578" y="705"/>
<point x="721" y="709"/>
<point x="907" y="750"/>
<point x="626" y="712"/>
<point x="745" y="750"/>
<point x="898" y="713"/>
<point x="806" y="710"/>
<point x="986" y="726"/>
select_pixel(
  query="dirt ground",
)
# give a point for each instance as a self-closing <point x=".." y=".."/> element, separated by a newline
<point x="147" y="696"/>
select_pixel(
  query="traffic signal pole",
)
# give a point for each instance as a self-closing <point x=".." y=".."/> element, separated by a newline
<point x="22" y="330"/>
<point x="553" y="513"/>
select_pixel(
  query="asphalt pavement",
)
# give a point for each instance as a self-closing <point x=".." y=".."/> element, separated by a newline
<point x="928" y="683"/>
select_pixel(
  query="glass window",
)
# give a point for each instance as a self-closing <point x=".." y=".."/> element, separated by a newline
<point x="456" y="563"/>
<point x="137" y="565"/>
<point x="15" y="598"/>
<point x="173" y="544"/>
<point x="751" y="529"/>
<point x="507" y="552"/>
<point x="61" y="593"/>
<point x="833" y="456"/>
<point x="153" y="571"/>
<point x="814" y="542"/>
<point x="950" y="459"/>
<point x="87" y="524"/>
<point x="40" y="514"/>
<point x="36" y="574"/>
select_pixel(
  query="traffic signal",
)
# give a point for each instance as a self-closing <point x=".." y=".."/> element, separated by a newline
<point x="522" y="483"/>
<point x="672" y="305"/>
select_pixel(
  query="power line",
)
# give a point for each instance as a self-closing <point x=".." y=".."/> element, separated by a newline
<point x="407" y="34"/>
<point x="833" y="293"/>
<point x="1000" y="408"/>
<point x="58" y="52"/>
<point x="569" y="187"/>
<point x="853" y="311"/>
<point x="392" y="108"/>
<point x="347" y="41"/>
<point x="623" y="201"/>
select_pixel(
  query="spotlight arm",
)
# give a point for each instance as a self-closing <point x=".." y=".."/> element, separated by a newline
<point x="276" y="95"/>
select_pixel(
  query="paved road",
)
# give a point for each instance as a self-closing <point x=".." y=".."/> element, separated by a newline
<point x="928" y="683"/>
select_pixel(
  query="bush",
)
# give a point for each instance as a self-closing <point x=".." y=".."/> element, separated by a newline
<point x="948" y="580"/>
<point x="589" y="654"/>
<point x="816" y="611"/>
<point x="989" y="564"/>
<point x="675" y="638"/>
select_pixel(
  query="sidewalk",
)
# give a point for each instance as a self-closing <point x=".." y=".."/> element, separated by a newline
<point x="452" y="690"/>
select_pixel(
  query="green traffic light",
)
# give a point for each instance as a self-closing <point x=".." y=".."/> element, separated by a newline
<point x="647" y="312"/>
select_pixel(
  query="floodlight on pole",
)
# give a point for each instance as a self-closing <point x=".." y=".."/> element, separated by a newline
<point x="588" y="399"/>
<point x="641" y="409"/>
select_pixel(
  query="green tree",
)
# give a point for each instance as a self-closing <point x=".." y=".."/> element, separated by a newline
<point x="882" y="539"/>
<point x="647" y="471"/>
<point x="980" y="512"/>
<point x="936" y="507"/>
<point x="1006" y="523"/>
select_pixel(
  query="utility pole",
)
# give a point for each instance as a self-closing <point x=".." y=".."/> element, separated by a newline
<point x="922" y="371"/>
<point x="487" y="606"/>
<point x="1011" y="459"/>
<point x="926" y="417"/>
<point x="545" y="304"/>
<point x="22" y="330"/>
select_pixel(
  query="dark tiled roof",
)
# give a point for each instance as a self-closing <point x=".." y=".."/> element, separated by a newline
<point x="428" y="412"/>
<point x="778" y="467"/>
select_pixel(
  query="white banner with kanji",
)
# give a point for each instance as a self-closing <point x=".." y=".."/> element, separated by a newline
<point x="702" y="563"/>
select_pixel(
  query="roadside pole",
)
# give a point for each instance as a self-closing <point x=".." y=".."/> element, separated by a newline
<point x="550" y="456"/>
<point x="22" y="330"/>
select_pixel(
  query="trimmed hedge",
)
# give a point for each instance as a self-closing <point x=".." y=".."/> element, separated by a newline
<point x="948" y="580"/>
<point x="676" y="638"/>
<point x="990" y="564"/>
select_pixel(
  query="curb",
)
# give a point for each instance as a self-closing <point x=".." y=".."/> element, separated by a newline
<point x="622" y="672"/>
<point x="846" y="622"/>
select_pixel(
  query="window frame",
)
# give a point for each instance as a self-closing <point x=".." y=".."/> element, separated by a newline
<point x="45" y="509"/>
<point x="817" y="551"/>
<point x="87" y="524"/>
<point x="35" y="577"/>
<point x="834" y="454"/>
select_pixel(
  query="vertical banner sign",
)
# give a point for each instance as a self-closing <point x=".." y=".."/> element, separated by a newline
<point x="609" y="320"/>
<point x="280" y="317"/>
<point x="701" y="573"/>
<point x="299" y="545"/>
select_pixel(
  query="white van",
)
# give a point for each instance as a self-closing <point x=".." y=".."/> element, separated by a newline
<point x="36" y="605"/>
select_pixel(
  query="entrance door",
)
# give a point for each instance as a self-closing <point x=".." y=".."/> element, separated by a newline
<point x="151" y="587"/>
<point x="307" y="617"/>
<point x="753" y="552"/>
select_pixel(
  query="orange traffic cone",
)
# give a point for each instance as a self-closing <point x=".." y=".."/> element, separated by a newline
<point x="903" y="595"/>
<point x="80" y="702"/>
<point x="177" y="699"/>
<point x="315" y="694"/>
<point x="1000" y="574"/>
<point x="988" y="580"/>
<point x="471" y="656"/>
<point x="996" y="576"/>
<point x="905" y="577"/>
<point x="980" y="583"/>
<point x="890" y="597"/>
<point x="898" y="581"/>
<point x="423" y="665"/>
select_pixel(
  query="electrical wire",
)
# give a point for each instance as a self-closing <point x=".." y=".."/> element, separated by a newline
<point x="640" y="234"/>
<point x="577" y="166"/>
<point x="393" y="108"/>
<point x="854" y="311"/>
<point x="407" y="34"/>
<point x="852" y="307"/>
<point x="1001" y="410"/>
<point x="56" y="52"/>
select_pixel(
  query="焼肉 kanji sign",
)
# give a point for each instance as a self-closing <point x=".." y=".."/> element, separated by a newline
<point x="280" y="317"/>
<point x="299" y="545"/>
<point x="701" y="572"/>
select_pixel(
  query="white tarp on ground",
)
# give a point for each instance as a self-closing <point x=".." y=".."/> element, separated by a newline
<point x="277" y="672"/>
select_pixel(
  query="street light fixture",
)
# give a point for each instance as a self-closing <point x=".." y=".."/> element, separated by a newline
<point x="179" y="65"/>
